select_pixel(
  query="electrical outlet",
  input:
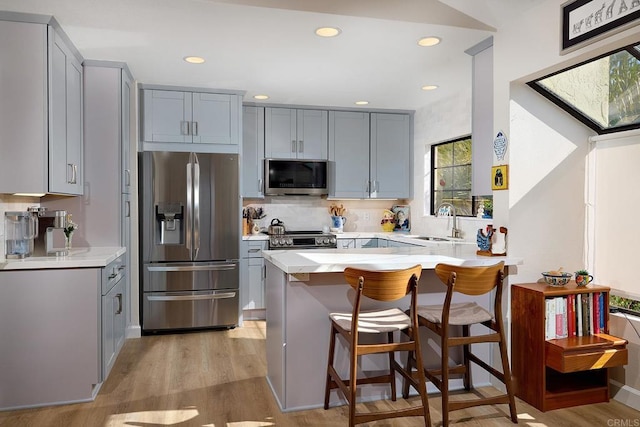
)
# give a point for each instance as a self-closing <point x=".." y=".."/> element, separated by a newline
<point x="366" y="216"/>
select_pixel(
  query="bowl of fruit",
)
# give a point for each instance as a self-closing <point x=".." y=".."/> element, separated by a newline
<point x="556" y="277"/>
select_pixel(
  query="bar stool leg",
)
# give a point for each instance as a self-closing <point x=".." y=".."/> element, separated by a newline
<point x="466" y="349"/>
<point x="444" y="390"/>
<point x="392" y="370"/>
<point x="332" y="345"/>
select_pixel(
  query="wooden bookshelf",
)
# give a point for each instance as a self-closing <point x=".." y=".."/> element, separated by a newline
<point x="558" y="373"/>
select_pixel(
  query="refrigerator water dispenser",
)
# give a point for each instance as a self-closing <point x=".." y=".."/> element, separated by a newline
<point x="169" y="216"/>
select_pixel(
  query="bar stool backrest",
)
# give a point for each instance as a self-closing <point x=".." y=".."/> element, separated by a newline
<point x="382" y="285"/>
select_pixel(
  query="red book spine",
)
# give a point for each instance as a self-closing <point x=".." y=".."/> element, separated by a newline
<point x="596" y="312"/>
<point x="571" y="315"/>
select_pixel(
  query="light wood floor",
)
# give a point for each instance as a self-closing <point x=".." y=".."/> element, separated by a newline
<point x="217" y="379"/>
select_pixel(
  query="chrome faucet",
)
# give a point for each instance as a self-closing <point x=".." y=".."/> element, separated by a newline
<point x="455" y="232"/>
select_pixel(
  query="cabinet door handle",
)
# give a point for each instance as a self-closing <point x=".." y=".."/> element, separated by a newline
<point x="194" y="128"/>
<point x="300" y="146"/>
<point x="368" y="186"/>
<point x="127" y="210"/>
<point x="184" y="128"/>
<point x="293" y="146"/>
<point x="260" y="185"/>
<point x="74" y="173"/>
<point x="253" y="250"/>
<point x="119" y="298"/>
<point x="264" y="272"/>
<point x="127" y="177"/>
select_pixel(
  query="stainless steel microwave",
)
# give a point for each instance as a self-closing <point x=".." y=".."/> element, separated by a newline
<point x="295" y="177"/>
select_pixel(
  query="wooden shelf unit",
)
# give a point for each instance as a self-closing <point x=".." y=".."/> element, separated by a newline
<point x="559" y="373"/>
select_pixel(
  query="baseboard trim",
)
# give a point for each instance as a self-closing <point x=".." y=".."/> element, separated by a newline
<point x="133" y="331"/>
<point x="626" y="395"/>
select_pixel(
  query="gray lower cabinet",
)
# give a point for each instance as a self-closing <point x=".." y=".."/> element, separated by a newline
<point x="41" y="105"/>
<point x="295" y="133"/>
<point x="367" y="243"/>
<point x="175" y="115"/>
<point x="385" y="171"/>
<point x="252" y="273"/>
<point x="346" y="243"/>
<point x="113" y="302"/>
<point x="61" y="331"/>
<point x="253" y="152"/>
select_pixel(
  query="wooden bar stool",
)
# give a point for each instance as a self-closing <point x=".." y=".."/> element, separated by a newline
<point x="380" y="286"/>
<point x="439" y="318"/>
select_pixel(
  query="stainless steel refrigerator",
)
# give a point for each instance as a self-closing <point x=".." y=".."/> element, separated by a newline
<point x="189" y="239"/>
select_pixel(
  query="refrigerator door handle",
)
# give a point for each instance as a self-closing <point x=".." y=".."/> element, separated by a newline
<point x="196" y="206"/>
<point x="188" y="233"/>
<point x="222" y="295"/>
<point x="217" y="267"/>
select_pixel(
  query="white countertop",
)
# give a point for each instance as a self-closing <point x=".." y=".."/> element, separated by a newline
<point x="78" y="258"/>
<point x="336" y="260"/>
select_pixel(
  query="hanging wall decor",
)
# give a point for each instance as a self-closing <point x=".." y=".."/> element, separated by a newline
<point x="500" y="177"/>
<point x="500" y="145"/>
<point x="585" y="21"/>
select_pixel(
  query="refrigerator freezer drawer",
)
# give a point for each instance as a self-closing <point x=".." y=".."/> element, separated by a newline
<point x="187" y="310"/>
<point x="183" y="277"/>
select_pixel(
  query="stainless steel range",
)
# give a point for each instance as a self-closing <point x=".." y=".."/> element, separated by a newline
<point x="302" y="240"/>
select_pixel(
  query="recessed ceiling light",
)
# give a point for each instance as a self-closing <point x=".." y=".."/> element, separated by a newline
<point x="328" y="31"/>
<point x="362" y="102"/>
<point x="194" y="59"/>
<point x="429" y="87"/>
<point x="260" y="96"/>
<point x="429" y="41"/>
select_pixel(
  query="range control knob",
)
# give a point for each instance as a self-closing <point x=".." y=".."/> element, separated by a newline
<point x="333" y="240"/>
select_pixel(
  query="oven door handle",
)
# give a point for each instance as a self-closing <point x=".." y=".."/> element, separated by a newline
<point x="218" y="267"/>
<point x="222" y="295"/>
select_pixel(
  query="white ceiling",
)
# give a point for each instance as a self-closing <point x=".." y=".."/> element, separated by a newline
<point x="272" y="49"/>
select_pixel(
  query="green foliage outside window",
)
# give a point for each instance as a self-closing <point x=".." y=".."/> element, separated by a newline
<point x="627" y="304"/>
<point x="451" y="172"/>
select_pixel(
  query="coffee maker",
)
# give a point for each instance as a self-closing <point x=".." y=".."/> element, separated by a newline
<point x="47" y="223"/>
<point x="21" y="229"/>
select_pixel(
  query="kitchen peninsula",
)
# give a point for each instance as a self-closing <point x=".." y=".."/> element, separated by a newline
<point x="303" y="287"/>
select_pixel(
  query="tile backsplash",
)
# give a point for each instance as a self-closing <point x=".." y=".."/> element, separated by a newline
<point x="312" y="213"/>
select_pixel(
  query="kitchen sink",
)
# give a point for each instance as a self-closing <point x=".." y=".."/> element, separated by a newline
<point x="433" y="238"/>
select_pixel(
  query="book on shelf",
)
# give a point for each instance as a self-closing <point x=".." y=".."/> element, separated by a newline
<point x="586" y="330"/>
<point x="550" y="319"/>
<point x="578" y="316"/>
<point x="603" y="312"/>
<point x="571" y="315"/>
<point x="596" y="312"/>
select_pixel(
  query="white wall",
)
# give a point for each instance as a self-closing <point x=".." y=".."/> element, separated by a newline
<point x="545" y="204"/>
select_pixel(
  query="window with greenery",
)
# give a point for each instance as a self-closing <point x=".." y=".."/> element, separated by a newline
<point x="626" y="305"/>
<point x="451" y="173"/>
<point x="603" y="93"/>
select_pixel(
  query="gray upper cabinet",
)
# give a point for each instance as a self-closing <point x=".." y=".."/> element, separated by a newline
<point x="370" y="155"/>
<point x="252" y="151"/>
<point x="65" y="119"/>
<point x="296" y="133"/>
<point x="125" y="131"/>
<point x="40" y="109"/>
<point x="349" y="154"/>
<point x="390" y="156"/>
<point x="176" y="116"/>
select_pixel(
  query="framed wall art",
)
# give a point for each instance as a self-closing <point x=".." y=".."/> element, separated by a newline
<point x="500" y="177"/>
<point x="586" y="21"/>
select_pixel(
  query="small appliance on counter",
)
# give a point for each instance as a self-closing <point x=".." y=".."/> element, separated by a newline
<point x="21" y="228"/>
<point x="47" y="224"/>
